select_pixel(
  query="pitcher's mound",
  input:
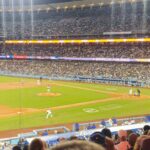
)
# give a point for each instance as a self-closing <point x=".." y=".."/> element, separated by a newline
<point x="49" y="94"/>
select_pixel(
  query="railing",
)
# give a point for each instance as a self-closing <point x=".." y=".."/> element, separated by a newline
<point x="82" y="134"/>
<point x="62" y="128"/>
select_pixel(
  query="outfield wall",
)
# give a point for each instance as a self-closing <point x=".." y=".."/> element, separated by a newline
<point x="98" y="79"/>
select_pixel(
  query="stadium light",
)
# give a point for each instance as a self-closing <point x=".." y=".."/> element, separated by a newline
<point x="91" y="5"/>
<point x="101" y="4"/>
<point x="74" y="6"/>
<point x="48" y="9"/>
<point x="82" y="6"/>
<point x="77" y="41"/>
<point x="112" y="2"/>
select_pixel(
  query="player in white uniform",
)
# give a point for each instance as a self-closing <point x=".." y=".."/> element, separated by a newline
<point x="130" y="92"/>
<point x="38" y="82"/>
<point x="49" y="114"/>
<point x="48" y="88"/>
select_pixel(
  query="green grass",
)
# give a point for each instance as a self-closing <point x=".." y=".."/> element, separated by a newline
<point x="71" y="93"/>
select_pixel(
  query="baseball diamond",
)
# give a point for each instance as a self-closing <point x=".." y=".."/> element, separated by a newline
<point x="73" y="99"/>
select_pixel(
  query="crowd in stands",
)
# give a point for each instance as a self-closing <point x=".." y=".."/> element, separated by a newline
<point x="85" y="50"/>
<point x="138" y="71"/>
<point x="104" y="140"/>
<point x="80" y="21"/>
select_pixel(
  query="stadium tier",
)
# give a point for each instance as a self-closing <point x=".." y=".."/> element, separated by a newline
<point x="118" y="18"/>
<point x="102" y="62"/>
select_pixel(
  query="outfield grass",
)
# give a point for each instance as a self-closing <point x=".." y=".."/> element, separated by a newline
<point x="71" y="93"/>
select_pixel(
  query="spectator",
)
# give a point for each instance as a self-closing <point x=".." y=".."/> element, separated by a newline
<point x="99" y="138"/>
<point x="145" y="145"/>
<point x="37" y="144"/>
<point x="123" y="143"/>
<point x="132" y="139"/>
<point x="45" y="133"/>
<point x="26" y="147"/>
<point x="77" y="145"/>
<point x="106" y="132"/>
<point x="16" y="147"/>
<point x="146" y="128"/>
<point x="139" y="141"/>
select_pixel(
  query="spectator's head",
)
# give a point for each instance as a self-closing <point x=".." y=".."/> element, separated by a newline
<point x="146" y="128"/>
<point x="37" y="144"/>
<point x="122" y="135"/>
<point x="73" y="138"/>
<point x="132" y="139"/>
<point x="26" y="147"/>
<point x="107" y="132"/>
<point x="148" y="132"/>
<point x="138" y="143"/>
<point x="16" y="147"/>
<point x="62" y="139"/>
<point x="98" y="138"/>
<point x="109" y="143"/>
<point x="77" y="145"/>
<point x="145" y="145"/>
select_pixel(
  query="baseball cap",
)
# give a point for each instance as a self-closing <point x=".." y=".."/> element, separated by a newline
<point x="98" y="137"/>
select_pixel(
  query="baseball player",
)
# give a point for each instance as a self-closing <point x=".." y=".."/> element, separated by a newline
<point x="48" y="88"/>
<point x="49" y="114"/>
<point x="130" y="92"/>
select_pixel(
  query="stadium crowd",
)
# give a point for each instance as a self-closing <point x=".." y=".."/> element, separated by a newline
<point x="85" y="50"/>
<point x="104" y="140"/>
<point x="139" y="71"/>
<point x="128" y="17"/>
<point x="79" y="21"/>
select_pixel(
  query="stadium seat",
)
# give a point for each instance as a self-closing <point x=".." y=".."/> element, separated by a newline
<point x="147" y="119"/>
<point x="114" y="121"/>
<point x="76" y="127"/>
<point x="103" y="123"/>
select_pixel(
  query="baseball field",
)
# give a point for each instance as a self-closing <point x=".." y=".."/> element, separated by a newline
<point x="24" y="102"/>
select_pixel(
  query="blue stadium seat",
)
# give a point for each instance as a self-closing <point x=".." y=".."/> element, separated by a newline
<point x="76" y="127"/>
<point x="114" y="121"/>
<point x="103" y="123"/>
<point x="147" y="119"/>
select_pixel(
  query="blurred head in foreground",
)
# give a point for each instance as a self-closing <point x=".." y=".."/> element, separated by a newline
<point x="77" y="145"/>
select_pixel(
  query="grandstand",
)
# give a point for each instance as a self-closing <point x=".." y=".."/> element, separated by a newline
<point x="93" y="55"/>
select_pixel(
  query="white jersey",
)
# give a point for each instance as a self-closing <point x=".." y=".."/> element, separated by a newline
<point x="49" y="111"/>
<point x="38" y="82"/>
<point x="49" y="114"/>
<point x="48" y="89"/>
<point x="130" y="92"/>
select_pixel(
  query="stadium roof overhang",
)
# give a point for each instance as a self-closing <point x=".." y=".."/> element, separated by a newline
<point x="69" y="5"/>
